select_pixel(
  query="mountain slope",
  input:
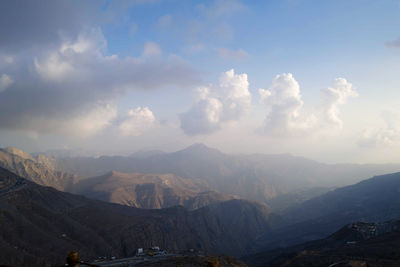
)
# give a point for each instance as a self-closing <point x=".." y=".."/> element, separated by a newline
<point x="374" y="244"/>
<point x="40" y="224"/>
<point x="149" y="191"/>
<point x="376" y="199"/>
<point x="40" y="169"/>
<point x="256" y="177"/>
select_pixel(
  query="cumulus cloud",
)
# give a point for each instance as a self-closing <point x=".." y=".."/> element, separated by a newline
<point x="285" y="105"/>
<point x="238" y="54"/>
<point x="334" y="97"/>
<point x="5" y="82"/>
<point x="58" y="86"/>
<point x="215" y="105"/>
<point x="284" y="99"/>
<point x="386" y="136"/>
<point x="137" y="122"/>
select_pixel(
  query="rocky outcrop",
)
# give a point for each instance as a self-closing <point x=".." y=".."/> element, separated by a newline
<point x="40" y="169"/>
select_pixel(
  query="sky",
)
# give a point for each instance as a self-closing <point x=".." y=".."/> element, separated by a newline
<point x="318" y="79"/>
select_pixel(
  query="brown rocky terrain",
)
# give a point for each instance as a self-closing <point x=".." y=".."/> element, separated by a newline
<point x="40" y="225"/>
<point x="40" y="169"/>
<point x="256" y="177"/>
<point x="149" y="191"/>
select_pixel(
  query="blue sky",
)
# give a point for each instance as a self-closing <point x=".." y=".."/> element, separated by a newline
<point x="121" y="76"/>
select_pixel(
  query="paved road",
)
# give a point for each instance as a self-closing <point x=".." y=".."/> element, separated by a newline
<point x="134" y="260"/>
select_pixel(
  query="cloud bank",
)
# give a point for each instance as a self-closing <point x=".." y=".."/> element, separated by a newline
<point x="58" y="88"/>
<point x="386" y="136"/>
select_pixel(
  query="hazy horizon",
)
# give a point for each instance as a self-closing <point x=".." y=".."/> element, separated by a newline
<point x="314" y="79"/>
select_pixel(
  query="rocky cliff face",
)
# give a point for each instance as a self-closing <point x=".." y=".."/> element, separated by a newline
<point x="38" y="169"/>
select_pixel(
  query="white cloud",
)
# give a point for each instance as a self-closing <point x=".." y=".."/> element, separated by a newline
<point x="67" y="60"/>
<point x="285" y="104"/>
<point x="85" y="123"/>
<point x="92" y="41"/>
<point x="151" y="49"/>
<point x="238" y="54"/>
<point x="53" y="67"/>
<point x="137" y="122"/>
<point x="5" y="82"/>
<point x="214" y="105"/>
<point x="69" y="80"/>
<point x="90" y="123"/>
<point x="387" y="136"/>
<point x="284" y="100"/>
<point x="334" y="97"/>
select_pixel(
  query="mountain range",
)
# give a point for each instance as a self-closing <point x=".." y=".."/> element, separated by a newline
<point x="376" y="199"/>
<point x="193" y="198"/>
<point x="149" y="191"/>
<point x="40" y="225"/>
<point x="256" y="177"/>
<point x="39" y="169"/>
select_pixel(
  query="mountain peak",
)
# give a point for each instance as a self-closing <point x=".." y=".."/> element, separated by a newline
<point x="18" y="152"/>
<point x="200" y="148"/>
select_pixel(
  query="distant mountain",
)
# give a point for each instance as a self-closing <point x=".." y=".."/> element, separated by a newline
<point x="65" y="153"/>
<point x="146" y="153"/>
<point x="41" y="225"/>
<point x="257" y="177"/>
<point x="149" y="191"/>
<point x="282" y="202"/>
<point x="376" y="199"/>
<point x="371" y="244"/>
<point x="40" y="169"/>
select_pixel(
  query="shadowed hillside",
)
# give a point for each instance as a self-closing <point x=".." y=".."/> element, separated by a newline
<point x="371" y="244"/>
<point x="376" y="199"/>
<point x="40" y="224"/>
